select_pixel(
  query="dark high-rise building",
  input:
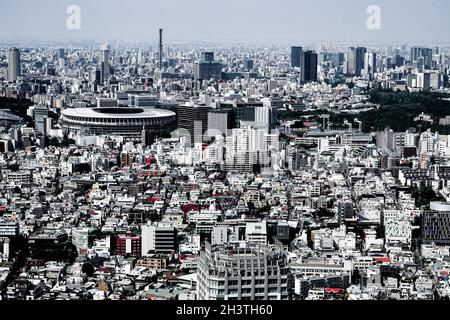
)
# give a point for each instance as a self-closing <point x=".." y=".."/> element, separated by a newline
<point x="61" y="53"/>
<point x="148" y="137"/>
<point x="282" y="231"/>
<point x="359" y="60"/>
<point x="337" y="58"/>
<point x="40" y="114"/>
<point x="95" y="75"/>
<point x="309" y="66"/>
<point x="425" y="53"/>
<point x="207" y="68"/>
<point x="207" y="56"/>
<point x="194" y="119"/>
<point x="415" y="53"/>
<point x="355" y="60"/>
<point x="105" y="68"/>
<point x="245" y="111"/>
<point x="436" y="223"/>
<point x="398" y="60"/>
<point x="49" y="244"/>
<point x="345" y="210"/>
<point x="351" y="60"/>
<point x="248" y="64"/>
<point x="13" y="64"/>
<point x="296" y="57"/>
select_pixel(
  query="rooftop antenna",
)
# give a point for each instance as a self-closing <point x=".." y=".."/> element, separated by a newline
<point x="160" y="48"/>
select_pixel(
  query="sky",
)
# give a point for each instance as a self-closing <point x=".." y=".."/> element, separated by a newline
<point x="402" y="21"/>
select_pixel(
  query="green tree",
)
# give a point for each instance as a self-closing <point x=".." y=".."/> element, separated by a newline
<point x="88" y="269"/>
<point x="424" y="195"/>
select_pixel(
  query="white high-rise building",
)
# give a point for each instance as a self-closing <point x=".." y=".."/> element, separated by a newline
<point x="266" y="116"/>
<point x="424" y="81"/>
<point x="247" y="146"/>
<point x="218" y="122"/>
<point x="427" y="142"/>
<point x="262" y="115"/>
<point x="80" y="238"/>
<point x="158" y="238"/>
<point x="219" y="235"/>
<point x="256" y="232"/>
<point x="370" y="64"/>
<point x="444" y="145"/>
<point x="214" y="153"/>
<point x="253" y="272"/>
<point x="410" y="139"/>
<point x="436" y="80"/>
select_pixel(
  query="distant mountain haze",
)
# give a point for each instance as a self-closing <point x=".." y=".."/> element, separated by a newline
<point x="232" y="20"/>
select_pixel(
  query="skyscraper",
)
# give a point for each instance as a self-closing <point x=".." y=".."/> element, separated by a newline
<point x="337" y="58"/>
<point x="249" y="148"/>
<point x="425" y="53"/>
<point x="208" y="56"/>
<point x="61" y="53"/>
<point x="104" y="62"/>
<point x="355" y="60"/>
<point x="207" y="68"/>
<point x="359" y="60"/>
<point x="40" y="114"/>
<point x="13" y="64"/>
<point x="351" y="60"/>
<point x="423" y="80"/>
<point x="193" y="119"/>
<point x="370" y="65"/>
<point x="248" y="64"/>
<point x="296" y="57"/>
<point x="220" y="121"/>
<point x="415" y="53"/>
<point x="309" y="66"/>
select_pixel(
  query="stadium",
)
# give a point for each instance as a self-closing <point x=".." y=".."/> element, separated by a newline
<point x="126" y="122"/>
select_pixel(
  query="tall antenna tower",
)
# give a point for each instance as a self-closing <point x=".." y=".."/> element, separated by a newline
<point x="160" y="48"/>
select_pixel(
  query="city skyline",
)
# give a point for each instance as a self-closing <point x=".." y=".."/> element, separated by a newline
<point x="143" y="157"/>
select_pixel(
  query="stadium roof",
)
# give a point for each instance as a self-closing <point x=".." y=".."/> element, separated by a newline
<point x="115" y="113"/>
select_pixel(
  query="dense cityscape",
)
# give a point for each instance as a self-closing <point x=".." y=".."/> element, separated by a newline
<point x="177" y="171"/>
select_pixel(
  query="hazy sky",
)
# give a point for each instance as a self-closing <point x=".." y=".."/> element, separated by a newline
<point x="205" y="20"/>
